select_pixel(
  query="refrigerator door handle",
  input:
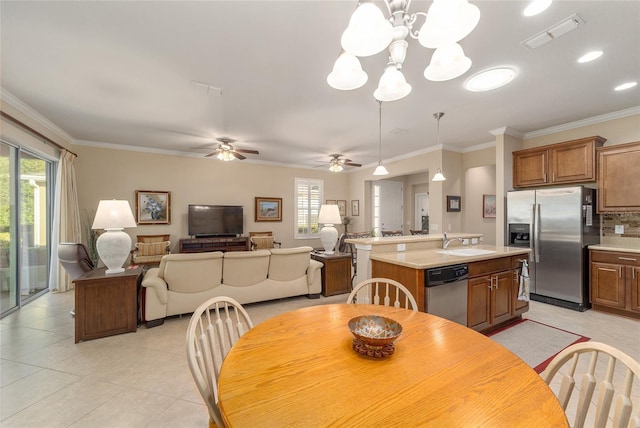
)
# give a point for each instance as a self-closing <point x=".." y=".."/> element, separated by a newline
<point x="536" y="232"/>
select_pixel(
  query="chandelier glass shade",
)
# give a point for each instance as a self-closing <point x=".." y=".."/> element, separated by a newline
<point x="369" y="32"/>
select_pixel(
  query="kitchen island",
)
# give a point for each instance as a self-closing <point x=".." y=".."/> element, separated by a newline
<point x="494" y="276"/>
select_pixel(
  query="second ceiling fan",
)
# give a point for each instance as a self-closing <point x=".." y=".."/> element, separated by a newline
<point x="337" y="162"/>
<point x="227" y="152"/>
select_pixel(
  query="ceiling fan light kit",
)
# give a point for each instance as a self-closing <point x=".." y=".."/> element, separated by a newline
<point x="226" y="152"/>
<point x="369" y="32"/>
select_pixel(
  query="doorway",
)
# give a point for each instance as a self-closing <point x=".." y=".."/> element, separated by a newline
<point x="387" y="209"/>
<point x="422" y="211"/>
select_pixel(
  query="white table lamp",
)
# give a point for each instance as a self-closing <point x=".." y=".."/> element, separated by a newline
<point x="114" y="245"/>
<point x="329" y="215"/>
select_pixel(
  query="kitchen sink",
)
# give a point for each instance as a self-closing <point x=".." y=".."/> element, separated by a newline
<point x="465" y="252"/>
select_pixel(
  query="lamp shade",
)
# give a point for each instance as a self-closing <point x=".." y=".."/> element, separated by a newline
<point x="447" y="62"/>
<point x="329" y="214"/>
<point x="438" y="176"/>
<point x="347" y="73"/>
<point x="368" y="32"/>
<point x="380" y="170"/>
<point x="392" y="85"/>
<point x="113" y="214"/>
<point x="448" y="21"/>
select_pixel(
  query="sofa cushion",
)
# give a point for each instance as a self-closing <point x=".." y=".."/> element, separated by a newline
<point x="244" y="268"/>
<point x="288" y="264"/>
<point x="191" y="273"/>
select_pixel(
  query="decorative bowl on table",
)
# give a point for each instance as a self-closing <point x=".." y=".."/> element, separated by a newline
<point x="374" y="335"/>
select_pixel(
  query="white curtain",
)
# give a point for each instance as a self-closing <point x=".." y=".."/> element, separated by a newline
<point x="66" y="219"/>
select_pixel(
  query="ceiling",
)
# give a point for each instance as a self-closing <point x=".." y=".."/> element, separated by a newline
<point x="121" y="74"/>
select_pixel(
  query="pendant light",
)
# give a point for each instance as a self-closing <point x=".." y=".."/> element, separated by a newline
<point x="439" y="176"/>
<point x="380" y="169"/>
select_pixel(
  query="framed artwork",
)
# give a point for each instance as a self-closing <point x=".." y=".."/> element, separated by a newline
<point x="355" y="208"/>
<point x="153" y="207"/>
<point x="489" y="206"/>
<point x="454" y="204"/>
<point x="342" y="207"/>
<point x="268" y="209"/>
<point x="331" y="202"/>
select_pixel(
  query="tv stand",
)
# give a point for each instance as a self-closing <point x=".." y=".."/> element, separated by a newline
<point x="205" y="245"/>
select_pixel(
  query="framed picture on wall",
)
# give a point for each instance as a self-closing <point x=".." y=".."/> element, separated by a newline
<point x="268" y="209"/>
<point x="489" y="206"/>
<point x="153" y="207"/>
<point x="355" y="208"/>
<point x="342" y="206"/>
<point x="454" y="204"/>
<point x="331" y="202"/>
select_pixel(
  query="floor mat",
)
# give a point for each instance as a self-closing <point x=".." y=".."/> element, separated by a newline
<point x="534" y="342"/>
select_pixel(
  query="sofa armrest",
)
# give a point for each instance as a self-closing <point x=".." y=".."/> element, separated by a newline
<point x="313" y="270"/>
<point x="153" y="281"/>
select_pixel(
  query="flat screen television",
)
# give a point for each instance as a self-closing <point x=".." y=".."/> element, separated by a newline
<point x="215" y="220"/>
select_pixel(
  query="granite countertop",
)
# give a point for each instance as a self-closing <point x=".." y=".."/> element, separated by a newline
<point x="426" y="259"/>
<point x="410" y="238"/>
<point x="611" y="247"/>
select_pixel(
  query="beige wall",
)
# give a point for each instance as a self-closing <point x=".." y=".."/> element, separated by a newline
<point x="617" y="131"/>
<point x="106" y="174"/>
<point x="479" y="181"/>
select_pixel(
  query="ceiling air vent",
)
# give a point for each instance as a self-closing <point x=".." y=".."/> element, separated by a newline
<point x="555" y="31"/>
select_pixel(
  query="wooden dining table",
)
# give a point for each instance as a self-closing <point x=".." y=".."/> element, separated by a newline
<point x="300" y="369"/>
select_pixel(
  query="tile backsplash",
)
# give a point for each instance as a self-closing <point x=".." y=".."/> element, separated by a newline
<point x="631" y="224"/>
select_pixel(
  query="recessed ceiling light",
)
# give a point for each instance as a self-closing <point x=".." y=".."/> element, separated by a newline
<point x="624" y="86"/>
<point x="590" y="56"/>
<point x="536" y="7"/>
<point x="490" y="79"/>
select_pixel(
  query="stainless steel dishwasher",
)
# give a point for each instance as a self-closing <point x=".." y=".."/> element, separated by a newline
<point x="446" y="292"/>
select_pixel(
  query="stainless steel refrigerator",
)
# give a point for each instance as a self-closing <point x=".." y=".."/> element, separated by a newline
<point x="557" y="224"/>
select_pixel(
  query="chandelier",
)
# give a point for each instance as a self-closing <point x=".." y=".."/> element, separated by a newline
<point x="369" y="32"/>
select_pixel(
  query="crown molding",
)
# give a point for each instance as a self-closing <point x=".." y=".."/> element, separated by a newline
<point x="31" y="114"/>
<point x="584" y="122"/>
<point x="505" y="130"/>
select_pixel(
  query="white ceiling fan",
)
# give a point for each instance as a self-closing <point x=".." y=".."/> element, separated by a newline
<point x="337" y="163"/>
<point x="226" y="152"/>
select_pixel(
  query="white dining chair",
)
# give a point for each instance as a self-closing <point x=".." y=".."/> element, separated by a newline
<point x="614" y="379"/>
<point x="378" y="291"/>
<point x="215" y="326"/>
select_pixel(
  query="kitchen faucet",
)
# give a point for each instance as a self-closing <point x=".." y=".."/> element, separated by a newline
<point x="446" y="242"/>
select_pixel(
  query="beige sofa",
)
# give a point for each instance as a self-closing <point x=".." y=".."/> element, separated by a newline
<point x="184" y="281"/>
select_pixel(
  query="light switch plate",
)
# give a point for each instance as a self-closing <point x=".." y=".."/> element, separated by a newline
<point x="619" y="229"/>
<point x="474" y="241"/>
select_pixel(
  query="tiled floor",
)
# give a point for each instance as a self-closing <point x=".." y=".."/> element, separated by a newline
<point x="142" y="379"/>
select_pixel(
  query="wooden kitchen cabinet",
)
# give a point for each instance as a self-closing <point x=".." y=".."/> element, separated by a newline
<point x="563" y="163"/>
<point x="490" y="293"/>
<point x="615" y="282"/>
<point x="618" y="178"/>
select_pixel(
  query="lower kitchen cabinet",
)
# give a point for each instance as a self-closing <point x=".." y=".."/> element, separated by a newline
<point x="615" y="282"/>
<point x="490" y="293"/>
<point x="518" y="306"/>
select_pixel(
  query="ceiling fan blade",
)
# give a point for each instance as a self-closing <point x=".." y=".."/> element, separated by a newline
<point x="351" y="163"/>
<point x="238" y="155"/>
<point x="212" y="153"/>
<point x="253" y="152"/>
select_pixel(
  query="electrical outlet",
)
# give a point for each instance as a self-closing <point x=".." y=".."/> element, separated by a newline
<point x="465" y="242"/>
<point x="474" y="241"/>
<point x="402" y="247"/>
<point x="619" y="229"/>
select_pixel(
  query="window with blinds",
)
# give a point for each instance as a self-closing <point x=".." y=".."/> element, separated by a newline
<point x="308" y="200"/>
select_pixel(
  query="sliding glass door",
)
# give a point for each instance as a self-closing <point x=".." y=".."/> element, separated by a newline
<point x="25" y="225"/>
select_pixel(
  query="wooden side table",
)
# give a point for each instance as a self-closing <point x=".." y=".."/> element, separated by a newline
<point x="106" y="304"/>
<point x="336" y="273"/>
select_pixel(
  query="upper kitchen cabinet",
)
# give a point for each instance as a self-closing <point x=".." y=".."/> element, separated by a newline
<point x="563" y="163"/>
<point x="618" y="168"/>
